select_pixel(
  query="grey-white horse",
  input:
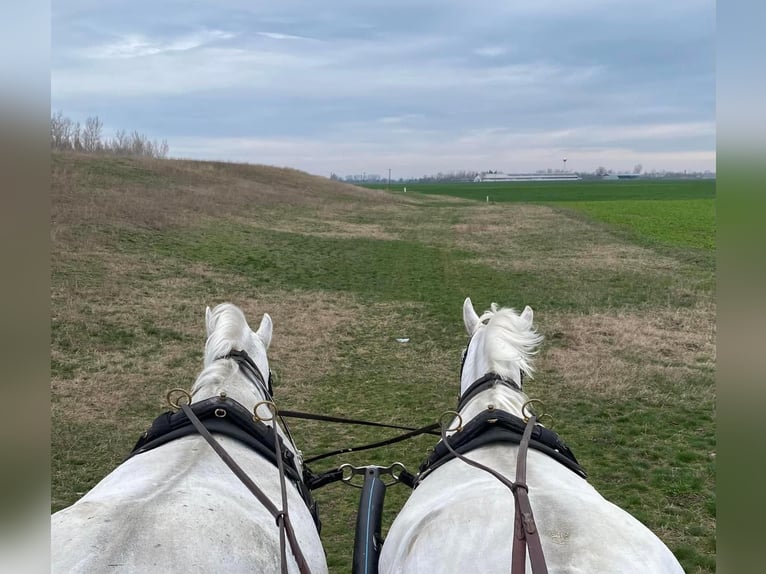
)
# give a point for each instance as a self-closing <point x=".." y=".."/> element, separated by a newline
<point x="461" y="519"/>
<point x="178" y="507"/>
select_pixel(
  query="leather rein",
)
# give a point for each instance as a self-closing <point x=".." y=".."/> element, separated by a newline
<point x="282" y="517"/>
<point x="525" y="532"/>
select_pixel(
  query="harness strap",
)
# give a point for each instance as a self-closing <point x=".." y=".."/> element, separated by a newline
<point x="482" y="384"/>
<point x="405" y="436"/>
<point x="525" y="530"/>
<point x="281" y="516"/>
<point x="331" y="419"/>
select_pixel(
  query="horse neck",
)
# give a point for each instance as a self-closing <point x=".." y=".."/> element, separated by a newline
<point x="225" y="377"/>
<point x="500" y="396"/>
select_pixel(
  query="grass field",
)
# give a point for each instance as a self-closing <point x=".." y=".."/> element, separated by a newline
<point x="674" y="213"/>
<point x="140" y="247"/>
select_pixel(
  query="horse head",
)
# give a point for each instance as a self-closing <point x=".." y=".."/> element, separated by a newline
<point x="502" y="342"/>
<point x="235" y="360"/>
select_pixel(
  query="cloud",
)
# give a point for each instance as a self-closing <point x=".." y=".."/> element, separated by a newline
<point x="427" y="82"/>
<point x="491" y="51"/>
<point x="278" y="36"/>
<point x="138" y="45"/>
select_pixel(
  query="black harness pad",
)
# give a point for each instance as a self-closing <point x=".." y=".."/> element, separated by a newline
<point x="237" y="423"/>
<point x="493" y="426"/>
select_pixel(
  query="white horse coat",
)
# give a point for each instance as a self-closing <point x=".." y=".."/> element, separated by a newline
<point x="461" y="519"/>
<point x="178" y="507"/>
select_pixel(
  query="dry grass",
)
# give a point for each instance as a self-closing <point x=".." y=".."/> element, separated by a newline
<point x="615" y="355"/>
<point x="316" y="226"/>
<point x="157" y="193"/>
<point x="308" y="327"/>
<point x="504" y="234"/>
<point x="110" y="374"/>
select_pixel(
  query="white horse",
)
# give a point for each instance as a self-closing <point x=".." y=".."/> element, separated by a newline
<point x="461" y="519"/>
<point x="178" y="507"/>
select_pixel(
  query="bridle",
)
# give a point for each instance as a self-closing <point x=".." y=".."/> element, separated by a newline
<point x="252" y="371"/>
<point x="525" y="532"/>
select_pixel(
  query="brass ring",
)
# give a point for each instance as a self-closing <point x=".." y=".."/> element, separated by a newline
<point x="176" y="404"/>
<point x="272" y="409"/>
<point x="452" y="414"/>
<point x="527" y="411"/>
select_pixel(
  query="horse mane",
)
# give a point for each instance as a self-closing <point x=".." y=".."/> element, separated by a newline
<point x="218" y="372"/>
<point x="228" y="330"/>
<point x="510" y="342"/>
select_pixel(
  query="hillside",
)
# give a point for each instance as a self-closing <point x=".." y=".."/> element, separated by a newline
<point x="158" y="192"/>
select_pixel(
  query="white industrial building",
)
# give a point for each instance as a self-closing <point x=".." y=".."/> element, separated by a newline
<point x="501" y="177"/>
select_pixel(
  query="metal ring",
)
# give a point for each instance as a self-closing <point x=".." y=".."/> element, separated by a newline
<point x="343" y="468"/>
<point x="527" y="411"/>
<point x="176" y="404"/>
<point x="220" y="413"/>
<point x="272" y="409"/>
<point x="452" y="414"/>
<point x="396" y="466"/>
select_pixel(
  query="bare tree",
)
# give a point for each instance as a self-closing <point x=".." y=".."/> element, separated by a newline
<point x="601" y="171"/>
<point x="68" y="135"/>
<point x="120" y="144"/>
<point x="91" y="135"/>
<point x="77" y="137"/>
<point x="61" y="131"/>
<point x="137" y="143"/>
<point x="162" y="150"/>
<point x="638" y="168"/>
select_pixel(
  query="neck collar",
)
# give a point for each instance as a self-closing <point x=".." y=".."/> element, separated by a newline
<point x="483" y="384"/>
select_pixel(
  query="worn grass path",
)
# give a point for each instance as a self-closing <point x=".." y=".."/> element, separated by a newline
<point x="139" y="248"/>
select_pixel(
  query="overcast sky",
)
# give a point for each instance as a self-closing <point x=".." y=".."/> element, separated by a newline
<point x="353" y="86"/>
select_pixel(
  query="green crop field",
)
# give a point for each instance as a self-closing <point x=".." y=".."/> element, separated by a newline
<point x="673" y="213"/>
<point x="620" y="276"/>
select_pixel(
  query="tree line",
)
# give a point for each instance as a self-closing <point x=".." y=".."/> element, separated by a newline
<point x="68" y="135"/>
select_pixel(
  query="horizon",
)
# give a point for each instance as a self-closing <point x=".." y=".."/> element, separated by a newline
<point x="418" y="88"/>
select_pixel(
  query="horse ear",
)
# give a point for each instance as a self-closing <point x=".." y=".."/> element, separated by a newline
<point x="208" y="321"/>
<point x="470" y="318"/>
<point x="526" y="314"/>
<point x="264" y="330"/>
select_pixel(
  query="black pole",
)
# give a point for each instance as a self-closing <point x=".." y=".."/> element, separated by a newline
<point x="367" y="539"/>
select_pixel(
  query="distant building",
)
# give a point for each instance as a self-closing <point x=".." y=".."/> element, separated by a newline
<point x="502" y="177"/>
<point x="613" y="176"/>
